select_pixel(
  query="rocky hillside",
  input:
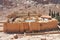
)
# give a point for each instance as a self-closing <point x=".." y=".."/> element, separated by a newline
<point x="38" y="6"/>
<point x="48" y="1"/>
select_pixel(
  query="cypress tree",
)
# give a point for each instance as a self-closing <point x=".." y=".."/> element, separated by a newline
<point x="57" y="14"/>
<point x="54" y="14"/>
<point x="49" y="12"/>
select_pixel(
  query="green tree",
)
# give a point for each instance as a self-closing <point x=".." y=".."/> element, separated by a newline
<point x="54" y="14"/>
<point x="49" y="12"/>
<point x="58" y="18"/>
<point x="57" y="14"/>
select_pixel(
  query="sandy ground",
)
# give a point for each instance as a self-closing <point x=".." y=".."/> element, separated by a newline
<point x="5" y="36"/>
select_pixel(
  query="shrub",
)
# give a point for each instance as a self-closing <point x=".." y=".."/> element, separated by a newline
<point x="58" y="18"/>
